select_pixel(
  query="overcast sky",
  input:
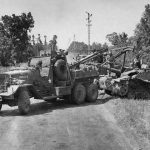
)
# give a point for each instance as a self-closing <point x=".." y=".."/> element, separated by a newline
<point x="67" y="17"/>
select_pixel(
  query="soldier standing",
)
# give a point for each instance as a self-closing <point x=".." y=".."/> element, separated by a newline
<point x="53" y="47"/>
<point x="137" y="62"/>
<point x="110" y="59"/>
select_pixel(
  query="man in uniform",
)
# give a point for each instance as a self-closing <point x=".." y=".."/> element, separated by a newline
<point x="110" y="59"/>
<point x="53" y="49"/>
<point x="137" y="62"/>
<point x="53" y="46"/>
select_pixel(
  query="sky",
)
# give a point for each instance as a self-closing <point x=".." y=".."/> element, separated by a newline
<point x="66" y="18"/>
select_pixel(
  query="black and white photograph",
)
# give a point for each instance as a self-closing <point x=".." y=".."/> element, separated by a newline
<point x="74" y="75"/>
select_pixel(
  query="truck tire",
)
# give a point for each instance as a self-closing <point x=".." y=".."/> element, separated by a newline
<point x="123" y="90"/>
<point x="91" y="93"/>
<point x="78" y="93"/>
<point x="60" y="70"/>
<point x="23" y="102"/>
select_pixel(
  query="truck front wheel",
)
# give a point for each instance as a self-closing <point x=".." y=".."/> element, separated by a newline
<point x="78" y="93"/>
<point x="24" y="102"/>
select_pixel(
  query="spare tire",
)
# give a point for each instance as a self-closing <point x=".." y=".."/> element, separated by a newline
<point x="60" y="70"/>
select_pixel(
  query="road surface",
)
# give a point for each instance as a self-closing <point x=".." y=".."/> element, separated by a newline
<point x="61" y="126"/>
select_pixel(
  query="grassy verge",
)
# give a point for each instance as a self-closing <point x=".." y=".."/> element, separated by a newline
<point x="134" y="118"/>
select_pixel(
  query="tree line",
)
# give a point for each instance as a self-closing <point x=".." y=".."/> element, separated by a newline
<point x="140" y="40"/>
<point x="82" y="48"/>
<point x="14" y="39"/>
<point x="15" y="42"/>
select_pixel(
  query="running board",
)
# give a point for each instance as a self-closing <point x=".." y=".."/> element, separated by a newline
<point x="49" y="97"/>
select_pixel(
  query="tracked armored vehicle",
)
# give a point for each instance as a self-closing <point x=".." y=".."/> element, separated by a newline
<point x="132" y="83"/>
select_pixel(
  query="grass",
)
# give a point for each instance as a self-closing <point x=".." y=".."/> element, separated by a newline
<point x="134" y="117"/>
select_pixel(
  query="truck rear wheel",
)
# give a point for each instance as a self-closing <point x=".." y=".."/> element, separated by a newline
<point x="61" y="70"/>
<point x="78" y="93"/>
<point x="123" y="90"/>
<point x="91" y="93"/>
<point x="24" y="102"/>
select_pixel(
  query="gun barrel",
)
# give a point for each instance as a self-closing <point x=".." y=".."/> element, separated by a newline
<point x="88" y="58"/>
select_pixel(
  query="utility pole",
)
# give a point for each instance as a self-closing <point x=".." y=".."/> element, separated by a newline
<point x="45" y="42"/>
<point x="89" y="25"/>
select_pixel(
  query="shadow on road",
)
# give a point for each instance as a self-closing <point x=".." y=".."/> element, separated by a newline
<point x="47" y="107"/>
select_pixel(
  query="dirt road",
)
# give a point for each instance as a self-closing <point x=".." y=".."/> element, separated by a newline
<point x="61" y="126"/>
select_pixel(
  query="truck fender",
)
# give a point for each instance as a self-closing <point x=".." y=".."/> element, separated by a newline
<point x="31" y="90"/>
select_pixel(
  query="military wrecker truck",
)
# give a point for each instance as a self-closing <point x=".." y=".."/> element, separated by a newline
<point x="48" y="78"/>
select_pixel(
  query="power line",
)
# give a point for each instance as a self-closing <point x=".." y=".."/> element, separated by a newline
<point x="89" y="29"/>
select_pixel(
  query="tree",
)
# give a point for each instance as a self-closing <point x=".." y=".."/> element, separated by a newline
<point x="142" y="31"/>
<point x="105" y="46"/>
<point x="5" y="49"/>
<point x="78" y="47"/>
<point x="96" y="46"/>
<point x="118" y="40"/>
<point x="15" y="31"/>
<point x="131" y="40"/>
